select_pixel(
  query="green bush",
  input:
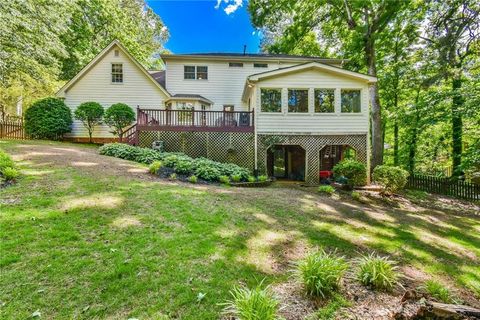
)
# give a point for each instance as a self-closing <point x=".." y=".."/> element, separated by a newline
<point x="320" y="272"/>
<point x="48" y="118"/>
<point x="236" y="178"/>
<point x="377" y="272"/>
<point x="354" y="171"/>
<point x="5" y="161"/>
<point x="252" y="304"/>
<point x="262" y="178"/>
<point x="173" y="176"/>
<point x="438" y="291"/>
<point x="390" y="178"/>
<point x="193" y="179"/>
<point x="118" y="116"/>
<point x="10" y="173"/>
<point x="328" y="189"/>
<point x="356" y="196"/>
<point x="224" y="179"/>
<point x="184" y="166"/>
<point x="251" y="179"/>
<point x="154" y="167"/>
<point x="90" y="114"/>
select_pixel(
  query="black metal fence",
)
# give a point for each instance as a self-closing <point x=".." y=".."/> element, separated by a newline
<point x="445" y="186"/>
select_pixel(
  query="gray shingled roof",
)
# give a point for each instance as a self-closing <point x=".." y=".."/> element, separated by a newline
<point x="253" y="55"/>
<point x="159" y="76"/>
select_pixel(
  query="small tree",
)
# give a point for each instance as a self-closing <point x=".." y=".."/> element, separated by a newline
<point x="90" y="114"/>
<point x="48" y="118"/>
<point x="118" y="116"/>
<point x="390" y="178"/>
<point x="354" y="171"/>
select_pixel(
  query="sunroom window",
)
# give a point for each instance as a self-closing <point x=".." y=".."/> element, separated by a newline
<point x="271" y="100"/>
<point x="297" y="100"/>
<point x="351" y="102"/>
<point x="324" y="100"/>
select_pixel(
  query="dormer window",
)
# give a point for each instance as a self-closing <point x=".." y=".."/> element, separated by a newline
<point x="117" y="73"/>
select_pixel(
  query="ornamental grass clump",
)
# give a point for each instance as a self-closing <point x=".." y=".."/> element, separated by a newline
<point x="321" y="272"/>
<point x="252" y="304"/>
<point x="377" y="272"/>
<point x="438" y="291"/>
<point x="193" y="179"/>
<point x="224" y="179"/>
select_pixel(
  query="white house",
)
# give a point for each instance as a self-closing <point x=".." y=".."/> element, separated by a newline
<point x="292" y="117"/>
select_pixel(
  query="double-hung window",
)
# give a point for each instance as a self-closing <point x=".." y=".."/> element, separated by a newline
<point x="195" y="72"/>
<point x="271" y="100"/>
<point x="117" y="73"/>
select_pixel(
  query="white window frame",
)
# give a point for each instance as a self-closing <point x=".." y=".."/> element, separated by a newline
<point x="116" y="73"/>
<point x="308" y="100"/>
<point x="260" y="98"/>
<point x="340" y="101"/>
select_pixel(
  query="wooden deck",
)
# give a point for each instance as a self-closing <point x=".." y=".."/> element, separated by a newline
<point x="194" y="120"/>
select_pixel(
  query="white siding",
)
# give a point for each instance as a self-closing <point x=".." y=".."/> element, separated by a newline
<point x="224" y="85"/>
<point x="96" y="85"/>
<point x="312" y="123"/>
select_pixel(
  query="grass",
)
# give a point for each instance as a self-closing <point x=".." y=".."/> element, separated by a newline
<point x="80" y="241"/>
<point x="320" y="272"/>
<point x="438" y="291"/>
<point x="330" y="310"/>
<point x="377" y="272"/>
<point x="252" y="304"/>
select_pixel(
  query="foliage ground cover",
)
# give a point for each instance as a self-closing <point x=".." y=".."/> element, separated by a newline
<point x="98" y="237"/>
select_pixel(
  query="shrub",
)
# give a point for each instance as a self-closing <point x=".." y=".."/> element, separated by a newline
<point x="5" y="161"/>
<point x="206" y="172"/>
<point x="224" y="179"/>
<point x="354" y="171"/>
<point x="438" y="291"/>
<point x="127" y="152"/>
<point x="173" y="176"/>
<point x="193" y="179"/>
<point x="328" y="189"/>
<point x="262" y="178"/>
<point x="90" y="114"/>
<point x="390" y="178"/>
<point x="356" y="196"/>
<point x="184" y="166"/>
<point x="48" y="118"/>
<point x="252" y="304"/>
<point x="236" y="178"/>
<point x="321" y="272"/>
<point x="10" y="173"/>
<point x="117" y="117"/>
<point x="377" y="272"/>
<point x="154" y="167"/>
<point x="251" y="179"/>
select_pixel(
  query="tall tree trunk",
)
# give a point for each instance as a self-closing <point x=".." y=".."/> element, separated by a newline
<point x="395" y="143"/>
<point x="413" y="138"/>
<point x="457" y="103"/>
<point x="377" y="145"/>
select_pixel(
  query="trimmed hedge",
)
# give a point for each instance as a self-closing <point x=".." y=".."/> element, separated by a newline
<point x="48" y="118"/>
<point x="354" y="171"/>
<point x="202" y="168"/>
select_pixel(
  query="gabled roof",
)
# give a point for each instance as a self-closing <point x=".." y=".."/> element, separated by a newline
<point x="98" y="57"/>
<point x="311" y="65"/>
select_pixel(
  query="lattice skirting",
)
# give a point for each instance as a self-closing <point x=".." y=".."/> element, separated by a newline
<point x="233" y="147"/>
<point x="312" y="144"/>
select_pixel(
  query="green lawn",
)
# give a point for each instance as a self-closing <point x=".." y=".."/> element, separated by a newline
<point x="86" y="236"/>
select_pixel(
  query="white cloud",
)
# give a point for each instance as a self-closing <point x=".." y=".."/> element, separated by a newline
<point x="232" y="5"/>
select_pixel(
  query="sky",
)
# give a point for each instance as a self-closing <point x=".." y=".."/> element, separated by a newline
<point x="207" y="25"/>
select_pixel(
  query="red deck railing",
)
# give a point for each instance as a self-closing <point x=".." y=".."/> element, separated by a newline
<point x="194" y="120"/>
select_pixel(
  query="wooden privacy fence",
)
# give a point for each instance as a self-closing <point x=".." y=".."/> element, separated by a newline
<point x="12" y="128"/>
<point x="445" y="186"/>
